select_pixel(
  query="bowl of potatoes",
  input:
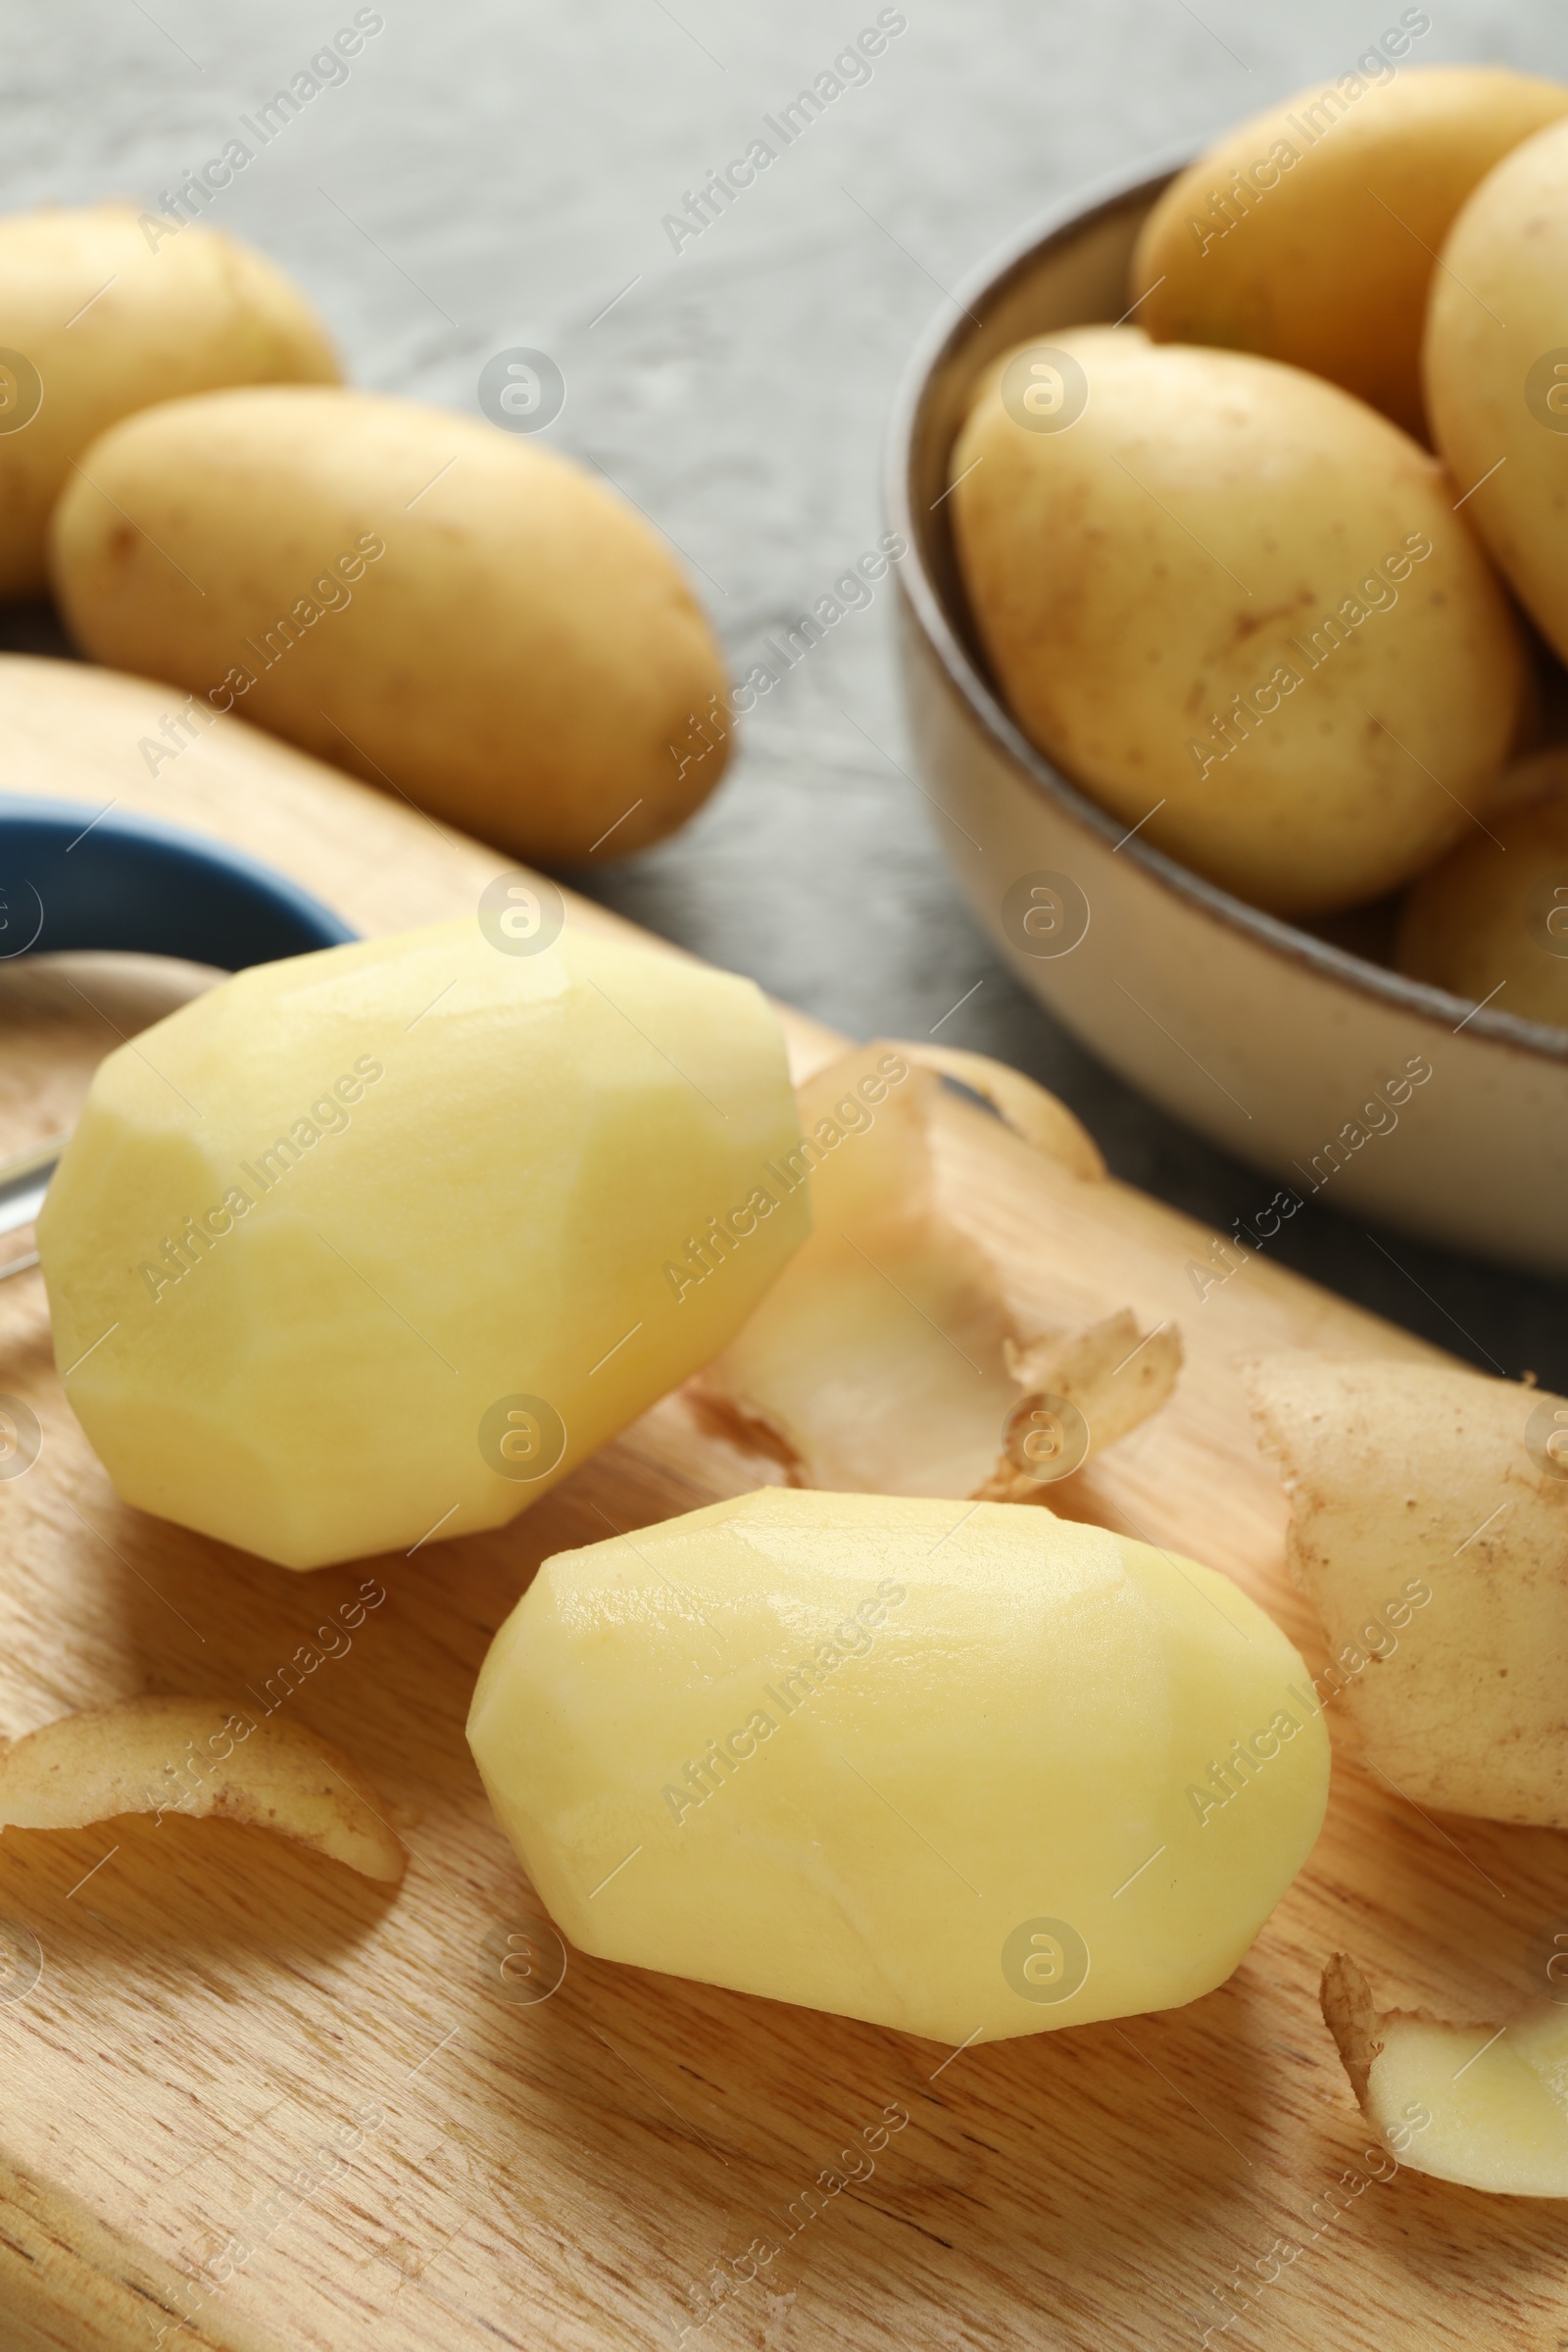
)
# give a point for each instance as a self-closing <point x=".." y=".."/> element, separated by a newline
<point x="1233" y="636"/>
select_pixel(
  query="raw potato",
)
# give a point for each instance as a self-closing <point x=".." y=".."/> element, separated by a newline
<point x="1483" y="2105"/>
<point x="114" y="310"/>
<point x="438" y="1185"/>
<point x="436" y="604"/>
<point x="925" y="1763"/>
<point x="1497" y="371"/>
<point x="185" y="1755"/>
<point x="889" y="1359"/>
<point x="1490" y="922"/>
<point x="1310" y="232"/>
<point x="1429" y="1524"/>
<point x="1236" y="606"/>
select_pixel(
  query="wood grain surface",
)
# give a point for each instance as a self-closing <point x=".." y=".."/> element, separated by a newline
<point x="254" y="2102"/>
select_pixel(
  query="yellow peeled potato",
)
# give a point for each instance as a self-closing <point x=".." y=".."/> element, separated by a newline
<point x="1310" y="232"/>
<point x="105" y="311"/>
<point x="383" y="1240"/>
<point x="1491" y="921"/>
<point x="435" y="605"/>
<point x="1497" y="371"/>
<point x="956" y="1768"/>
<point x="1236" y="606"/>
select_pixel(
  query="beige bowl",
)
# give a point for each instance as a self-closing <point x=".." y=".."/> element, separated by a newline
<point x="1272" y="1042"/>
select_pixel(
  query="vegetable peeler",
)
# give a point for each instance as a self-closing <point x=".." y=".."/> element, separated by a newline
<point x="73" y="877"/>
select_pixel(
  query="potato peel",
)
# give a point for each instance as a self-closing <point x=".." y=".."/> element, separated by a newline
<point x="1035" y="1116"/>
<point x="1482" y="2105"/>
<point x="188" y="1755"/>
<point x="1428" y="1527"/>
<point x="888" y="1357"/>
<point x="1353" y="2020"/>
<point x="1110" y="1374"/>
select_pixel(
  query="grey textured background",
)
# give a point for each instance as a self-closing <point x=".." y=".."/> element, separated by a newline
<point x="496" y="173"/>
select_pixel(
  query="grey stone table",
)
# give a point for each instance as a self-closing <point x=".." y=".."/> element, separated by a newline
<point x="500" y="173"/>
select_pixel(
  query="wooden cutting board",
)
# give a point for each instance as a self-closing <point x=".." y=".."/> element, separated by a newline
<point x="579" y="2171"/>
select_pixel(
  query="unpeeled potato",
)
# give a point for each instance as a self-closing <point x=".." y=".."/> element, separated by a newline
<point x="1308" y="233"/>
<point x="1490" y="922"/>
<point x="1237" y="606"/>
<point x="1497" y="371"/>
<point x="437" y="606"/>
<point x="103" y="311"/>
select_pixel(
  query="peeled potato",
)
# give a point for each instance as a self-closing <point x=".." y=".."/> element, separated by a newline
<point x="435" y="605"/>
<point x="1310" y="233"/>
<point x="1236" y="606"/>
<point x="1497" y="371"/>
<point x="373" y="1244"/>
<point x="938" y="1765"/>
<point x="105" y="311"/>
<point x="1490" y="922"/>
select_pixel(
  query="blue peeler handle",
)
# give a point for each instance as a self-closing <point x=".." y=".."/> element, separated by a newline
<point x="75" y="877"/>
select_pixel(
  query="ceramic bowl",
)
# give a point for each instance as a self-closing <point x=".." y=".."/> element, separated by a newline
<point x="1292" y="1052"/>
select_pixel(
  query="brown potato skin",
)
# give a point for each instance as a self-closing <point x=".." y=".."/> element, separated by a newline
<point x="187" y="309"/>
<point x="1188" y="538"/>
<point x="1500" y="308"/>
<point x="1489" y="920"/>
<point x="1396" y="1472"/>
<point x="1329" y="268"/>
<point x="524" y="656"/>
